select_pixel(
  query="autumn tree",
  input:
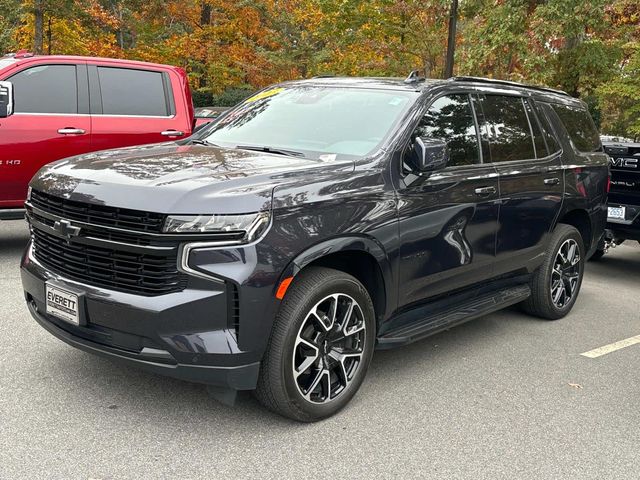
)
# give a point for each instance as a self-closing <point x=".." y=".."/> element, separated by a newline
<point x="230" y="47"/>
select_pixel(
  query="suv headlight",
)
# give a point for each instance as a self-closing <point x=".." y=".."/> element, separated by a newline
<point x="247" y="227"/>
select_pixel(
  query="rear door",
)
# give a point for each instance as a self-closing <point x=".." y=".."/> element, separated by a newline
<point x="134" y="106"/>
<point x="531" y="179"/>
<point x="447" y="218"/>
<point x="51" y="121"/>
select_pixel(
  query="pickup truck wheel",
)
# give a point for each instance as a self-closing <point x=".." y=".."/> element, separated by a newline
<point x="320" y="346"/>
<point x="556" y="284"/>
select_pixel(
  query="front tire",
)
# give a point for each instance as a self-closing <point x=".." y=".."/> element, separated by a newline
<point x="320" y="346"/>
<point x="556" y="284"/>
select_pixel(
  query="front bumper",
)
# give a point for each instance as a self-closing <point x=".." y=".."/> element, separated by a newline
<point x="185" y="335"/>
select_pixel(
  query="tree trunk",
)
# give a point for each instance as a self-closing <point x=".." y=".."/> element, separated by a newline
<point x="451" y="42"/>
<point x="49" y="36"/>
<point x="205" y="13"/>
<point x="118" y="11"/>
<point x="38" y="14"/>
<point x="205" y="19"/>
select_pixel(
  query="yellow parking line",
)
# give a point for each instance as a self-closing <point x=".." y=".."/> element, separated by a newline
<point x="612" y="347"/>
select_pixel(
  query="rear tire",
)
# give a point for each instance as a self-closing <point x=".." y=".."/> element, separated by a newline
<point x="556" y="284"/>
<point x="597" y="255"/>
<point x="320" y="347"/>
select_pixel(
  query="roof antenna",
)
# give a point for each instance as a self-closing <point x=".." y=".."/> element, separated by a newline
<point x="413" y="77"/>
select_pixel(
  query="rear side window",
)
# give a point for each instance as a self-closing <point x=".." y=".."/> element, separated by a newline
<point x="450" y="119"/>
<point x="127" y="91"/>
<point x="545" y="111"/>
<point x="538" y="139"/>
<point x="580" y="127"/>
<point x="46" y="89"/>
<point x="508" y="128"/>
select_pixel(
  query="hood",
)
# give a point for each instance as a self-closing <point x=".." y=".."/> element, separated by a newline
<point x="172" y="178"/>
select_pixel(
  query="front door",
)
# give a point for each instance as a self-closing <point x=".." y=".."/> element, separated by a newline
<point x="447" y="218"/>
<point x="48" y="124"/>
<point x="133" y="106"/>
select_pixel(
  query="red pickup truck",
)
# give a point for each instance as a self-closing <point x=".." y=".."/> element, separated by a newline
<point x="52" y="107"/>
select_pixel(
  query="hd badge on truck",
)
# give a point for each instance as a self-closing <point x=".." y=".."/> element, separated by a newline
<point x="62" y="304"/>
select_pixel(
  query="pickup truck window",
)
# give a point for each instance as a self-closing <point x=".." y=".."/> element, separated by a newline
<point x="126" y="91"/>
<point x="46" y="89"/>
<point x="508" y="127"/>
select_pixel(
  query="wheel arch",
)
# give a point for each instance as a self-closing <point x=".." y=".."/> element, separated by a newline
<point x="580" y="219"/>
<point x="361" y="257"/>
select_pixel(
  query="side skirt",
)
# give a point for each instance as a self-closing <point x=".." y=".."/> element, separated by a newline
<point x="429" y="322"/>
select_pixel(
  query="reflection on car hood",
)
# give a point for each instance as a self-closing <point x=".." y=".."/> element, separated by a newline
<point x="172" y="178"/>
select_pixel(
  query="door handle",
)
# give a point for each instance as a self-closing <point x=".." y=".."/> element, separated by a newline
<point x="172" y="133"/>
<point x="551" y="181"/>
<point x="71" y="131"/>
<point x="485" y="190"/>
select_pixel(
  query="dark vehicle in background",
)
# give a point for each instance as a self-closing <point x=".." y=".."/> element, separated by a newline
<point x="205" y="115"/>
<point x="53" y="107"/>
<point x="314" y="222"/>
<point x="624" y="197"/>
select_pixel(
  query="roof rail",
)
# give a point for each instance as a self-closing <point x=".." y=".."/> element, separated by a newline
<point x="324" y="75"/>
<point x="507" y="82"/>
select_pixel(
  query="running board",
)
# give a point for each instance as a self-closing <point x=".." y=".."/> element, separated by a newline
<point x="443" y="319"/>
<point x="12" y="213"/>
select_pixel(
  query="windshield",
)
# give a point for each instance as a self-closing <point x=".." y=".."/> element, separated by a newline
<point x="318" y="122"/>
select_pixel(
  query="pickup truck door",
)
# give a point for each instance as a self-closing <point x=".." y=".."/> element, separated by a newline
<point x="135" y="106"/>
<point x="528" y="161"/>
<point x="51" y="121"/>
<point x="447" y="218"/>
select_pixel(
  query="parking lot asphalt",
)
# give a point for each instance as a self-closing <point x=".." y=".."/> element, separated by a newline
<point x="506" y="396"/>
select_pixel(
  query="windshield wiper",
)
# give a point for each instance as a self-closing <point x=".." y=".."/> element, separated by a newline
<point x="198" y="141"/>
<point x="267" y="149"/>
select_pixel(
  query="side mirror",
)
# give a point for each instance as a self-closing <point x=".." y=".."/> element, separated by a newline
<point x="430" y="154"/>
<point x="6" y="99"/>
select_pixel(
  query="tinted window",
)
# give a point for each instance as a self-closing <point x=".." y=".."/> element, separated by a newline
<point x="46" y="89"/>
<point x="580" y="127"/>
<point x="538" y="139"/>
<point x="450" y="118"/>
<point x="132" y="92"/>
<point x="552" y="142"/>
<point x="508" y="127"/>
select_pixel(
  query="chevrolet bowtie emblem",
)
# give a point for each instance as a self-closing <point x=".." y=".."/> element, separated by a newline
<point x="64" y="228"/>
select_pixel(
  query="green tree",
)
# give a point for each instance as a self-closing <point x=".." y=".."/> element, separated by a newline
<point x="11" y="12"/>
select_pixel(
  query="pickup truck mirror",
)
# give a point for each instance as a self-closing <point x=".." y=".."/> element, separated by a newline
<point x="430" y="154"/>
<point x="6" y="99"/>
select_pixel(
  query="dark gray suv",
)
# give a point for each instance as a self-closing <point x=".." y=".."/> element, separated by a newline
<point x="314" y="222"/>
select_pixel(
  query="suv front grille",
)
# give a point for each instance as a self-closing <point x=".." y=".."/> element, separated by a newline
<point x="123" y="218"/>
<point x="115" y="269"/>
